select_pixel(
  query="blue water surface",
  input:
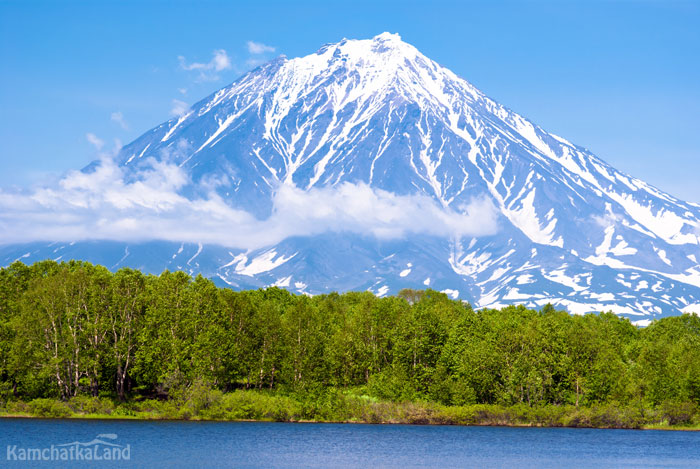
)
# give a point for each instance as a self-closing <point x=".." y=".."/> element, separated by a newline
<point x="179" y="444"/>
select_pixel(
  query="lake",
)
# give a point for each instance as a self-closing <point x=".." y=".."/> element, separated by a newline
<point x="150" y="444"/>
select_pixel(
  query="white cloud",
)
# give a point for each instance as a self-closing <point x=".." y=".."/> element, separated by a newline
<point x="219" y="62"/>
<point x="608" y="219"/>
<point x="118" y="117"/>
<point x="179" y="108"/>
<point x="259" y="48"/>
<point x="254" y="62"/>
<point x="94" y="140"/>
<point x="107" y="205"/>
<point x="208" y="71"/>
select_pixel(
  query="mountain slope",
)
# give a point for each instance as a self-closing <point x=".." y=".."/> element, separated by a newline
<point x="572" y="230"/>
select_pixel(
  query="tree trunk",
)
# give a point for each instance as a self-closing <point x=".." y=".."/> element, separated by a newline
<point x="95" y="387"/>
<point x="121" y="379"/>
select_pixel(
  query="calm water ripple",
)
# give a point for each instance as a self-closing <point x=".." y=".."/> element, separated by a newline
<point x="283" y="445"/>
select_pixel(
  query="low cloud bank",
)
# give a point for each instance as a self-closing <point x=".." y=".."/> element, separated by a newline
<point x="107" y="205"/>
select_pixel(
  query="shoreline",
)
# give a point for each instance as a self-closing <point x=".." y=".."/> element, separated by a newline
<point x="333" y="405"/>
<point x="156" y="418"/>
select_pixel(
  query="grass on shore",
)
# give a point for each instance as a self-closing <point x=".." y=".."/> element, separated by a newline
<point x="346" y="406"/>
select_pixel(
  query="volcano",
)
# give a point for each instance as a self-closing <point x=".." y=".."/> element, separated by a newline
<point x="529" y="217"/>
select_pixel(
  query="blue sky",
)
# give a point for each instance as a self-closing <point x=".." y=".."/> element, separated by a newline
<point x="621" y="79"/>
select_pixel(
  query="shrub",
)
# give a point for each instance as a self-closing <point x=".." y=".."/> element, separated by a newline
<point x="678" y="413"/>
<point x="17" y="407"/>
<point x="49" y="408"/>
<point x="91" y="405"/>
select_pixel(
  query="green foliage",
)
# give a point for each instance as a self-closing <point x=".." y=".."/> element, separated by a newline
<point x="171" y="346"/>
<point x="49" y="408"/>
<point x="91" y="405"/>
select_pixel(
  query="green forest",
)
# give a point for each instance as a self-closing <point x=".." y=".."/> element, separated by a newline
<point x="77" y="339"/>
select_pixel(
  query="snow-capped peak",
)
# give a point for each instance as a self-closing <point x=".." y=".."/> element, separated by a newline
<point x="573" y="230"/>
<point x="360" y="68"/>
<point x="387" y="36"/>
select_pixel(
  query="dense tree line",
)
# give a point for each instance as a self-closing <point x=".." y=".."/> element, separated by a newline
<point x="69" y="329"/>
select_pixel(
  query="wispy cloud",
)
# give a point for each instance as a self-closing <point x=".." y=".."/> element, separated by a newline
<point x="254" y="62"/>
<point x="108" y="204"/>
<point x="258" y="53"/>
<point x="179" y="108"/>
<point x="258" y="48"/>
<point x="608" y="219"/>
<point x="208" y="71"/>
<point x="95" y="141"/>
<point x="118" y="118"/>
